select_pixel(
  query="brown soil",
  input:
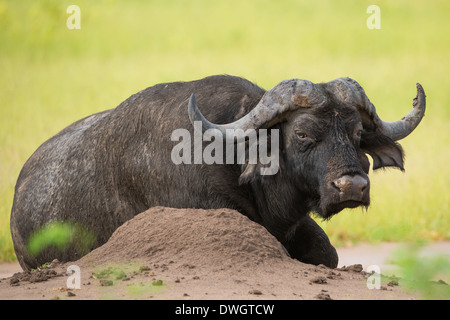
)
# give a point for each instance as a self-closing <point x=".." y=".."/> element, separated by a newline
<point x="167" y="253"/>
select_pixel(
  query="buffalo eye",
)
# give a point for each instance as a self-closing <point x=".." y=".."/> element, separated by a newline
<point x="357" y="137"/>
<point x="358" y="133"/>
<point x="301" y="135"/>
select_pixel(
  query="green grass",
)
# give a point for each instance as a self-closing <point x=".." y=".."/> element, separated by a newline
<point x="60" y="235"/>
<point x="422" y="275"/>
<point x="51" y="76"/>
<point x="111" y="277"/>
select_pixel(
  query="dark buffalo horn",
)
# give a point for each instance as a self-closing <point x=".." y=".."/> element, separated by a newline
<point x="286" y="96"/>
<point x="349" y="91"/>
<point x="399" y="129"/>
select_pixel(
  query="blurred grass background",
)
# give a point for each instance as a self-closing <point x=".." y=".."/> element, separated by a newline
<point x="51" y="76"/>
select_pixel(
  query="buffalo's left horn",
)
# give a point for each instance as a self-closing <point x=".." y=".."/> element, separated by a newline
<point x="286" y="96"/>
<point x="349" y="91"/>
<point x="399" y="129"/>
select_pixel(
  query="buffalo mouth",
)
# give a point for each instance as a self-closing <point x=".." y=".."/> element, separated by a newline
<point x="334" y="208"/>
<point x="348" y="191"/>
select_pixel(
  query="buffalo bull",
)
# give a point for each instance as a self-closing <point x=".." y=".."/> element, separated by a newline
<point x="104" y="169"/>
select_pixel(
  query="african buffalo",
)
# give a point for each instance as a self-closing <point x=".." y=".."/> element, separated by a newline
<point x="104" y="169"/>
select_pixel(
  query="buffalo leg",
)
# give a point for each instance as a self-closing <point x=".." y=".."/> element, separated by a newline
<point x="308" y="243"/>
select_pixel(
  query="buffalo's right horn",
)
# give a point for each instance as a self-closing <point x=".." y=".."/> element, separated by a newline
<point x="288" y="95"/>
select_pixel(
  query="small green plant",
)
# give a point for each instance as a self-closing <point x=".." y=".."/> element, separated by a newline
<point x="422" y="274"/>
<point x="137" y="284"/>
<point x="46" y="265"/>
<point x="115" y="272"/>
<point x="157" y="283"/>
<point x="60" y="235"/>
<point x="110" y="274"/>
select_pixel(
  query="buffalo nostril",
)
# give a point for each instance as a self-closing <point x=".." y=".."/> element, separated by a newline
<point x="360" y="184"/>
<point x="351" y="187"/>
<point x="363" y="187"/>
<point x="335" y="185"/>
<point x="343" y="183"/>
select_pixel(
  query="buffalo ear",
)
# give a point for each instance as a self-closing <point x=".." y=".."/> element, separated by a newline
<point x="384" y="151"/>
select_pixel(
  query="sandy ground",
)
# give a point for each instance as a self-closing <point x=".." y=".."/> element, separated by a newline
<point x="187" y="254"/>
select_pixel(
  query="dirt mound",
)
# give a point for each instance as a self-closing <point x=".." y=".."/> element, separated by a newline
<point x="167" y="253"/>
<point x="191" y="237"/>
